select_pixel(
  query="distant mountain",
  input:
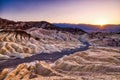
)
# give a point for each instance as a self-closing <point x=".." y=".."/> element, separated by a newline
<point x="91" y="28"/>
<point x="12" y="25"/>
<point x="8" y="24"/>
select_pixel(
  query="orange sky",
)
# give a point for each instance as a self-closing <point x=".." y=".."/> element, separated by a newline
<point x="62" y="11"/>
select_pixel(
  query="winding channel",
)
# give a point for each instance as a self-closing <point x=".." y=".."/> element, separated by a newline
<point x="43" y="56"/>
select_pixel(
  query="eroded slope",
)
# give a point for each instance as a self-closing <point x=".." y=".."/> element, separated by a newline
<point x="94" y="64"/>
<point x="19" y="45"/>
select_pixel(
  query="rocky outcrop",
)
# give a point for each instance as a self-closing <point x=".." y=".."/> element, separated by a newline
<point x="22" y="71"/>
<point x="32" y="71"/>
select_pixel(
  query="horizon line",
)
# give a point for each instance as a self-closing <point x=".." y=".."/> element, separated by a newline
<point x="57" y="22"/>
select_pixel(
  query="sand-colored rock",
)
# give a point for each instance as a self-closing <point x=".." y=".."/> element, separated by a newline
<point x="42" y="68"/>
<point x="20" y="45"/>
<point x="94" y="64"/>
<point x="3" y="73"/>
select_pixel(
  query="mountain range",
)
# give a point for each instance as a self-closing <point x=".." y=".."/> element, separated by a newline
<point x="92" y="28"/>
<point x="8" y="24"/>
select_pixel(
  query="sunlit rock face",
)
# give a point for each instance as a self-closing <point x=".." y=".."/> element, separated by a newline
<point x="19" y="47"/>
<point x="37" y="70"/>
<point x="40" y="40"/>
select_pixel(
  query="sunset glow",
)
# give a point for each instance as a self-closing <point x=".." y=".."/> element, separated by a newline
<point x="99" y="12"/>
<point x="101" y="21"/>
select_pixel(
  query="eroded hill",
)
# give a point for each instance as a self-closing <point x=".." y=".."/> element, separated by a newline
<point x="85" y="57"/>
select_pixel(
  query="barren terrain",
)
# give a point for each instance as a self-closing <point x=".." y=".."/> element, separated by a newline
<point x="42" y="51"/>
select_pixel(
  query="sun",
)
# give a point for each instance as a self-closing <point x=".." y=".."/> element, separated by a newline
<point x="101" y="22"/>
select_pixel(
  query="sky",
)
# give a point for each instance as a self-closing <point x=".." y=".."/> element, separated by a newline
<point x="62" y="11"/>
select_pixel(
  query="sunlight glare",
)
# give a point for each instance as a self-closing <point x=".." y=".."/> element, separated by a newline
<point x="101" y="22"/>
